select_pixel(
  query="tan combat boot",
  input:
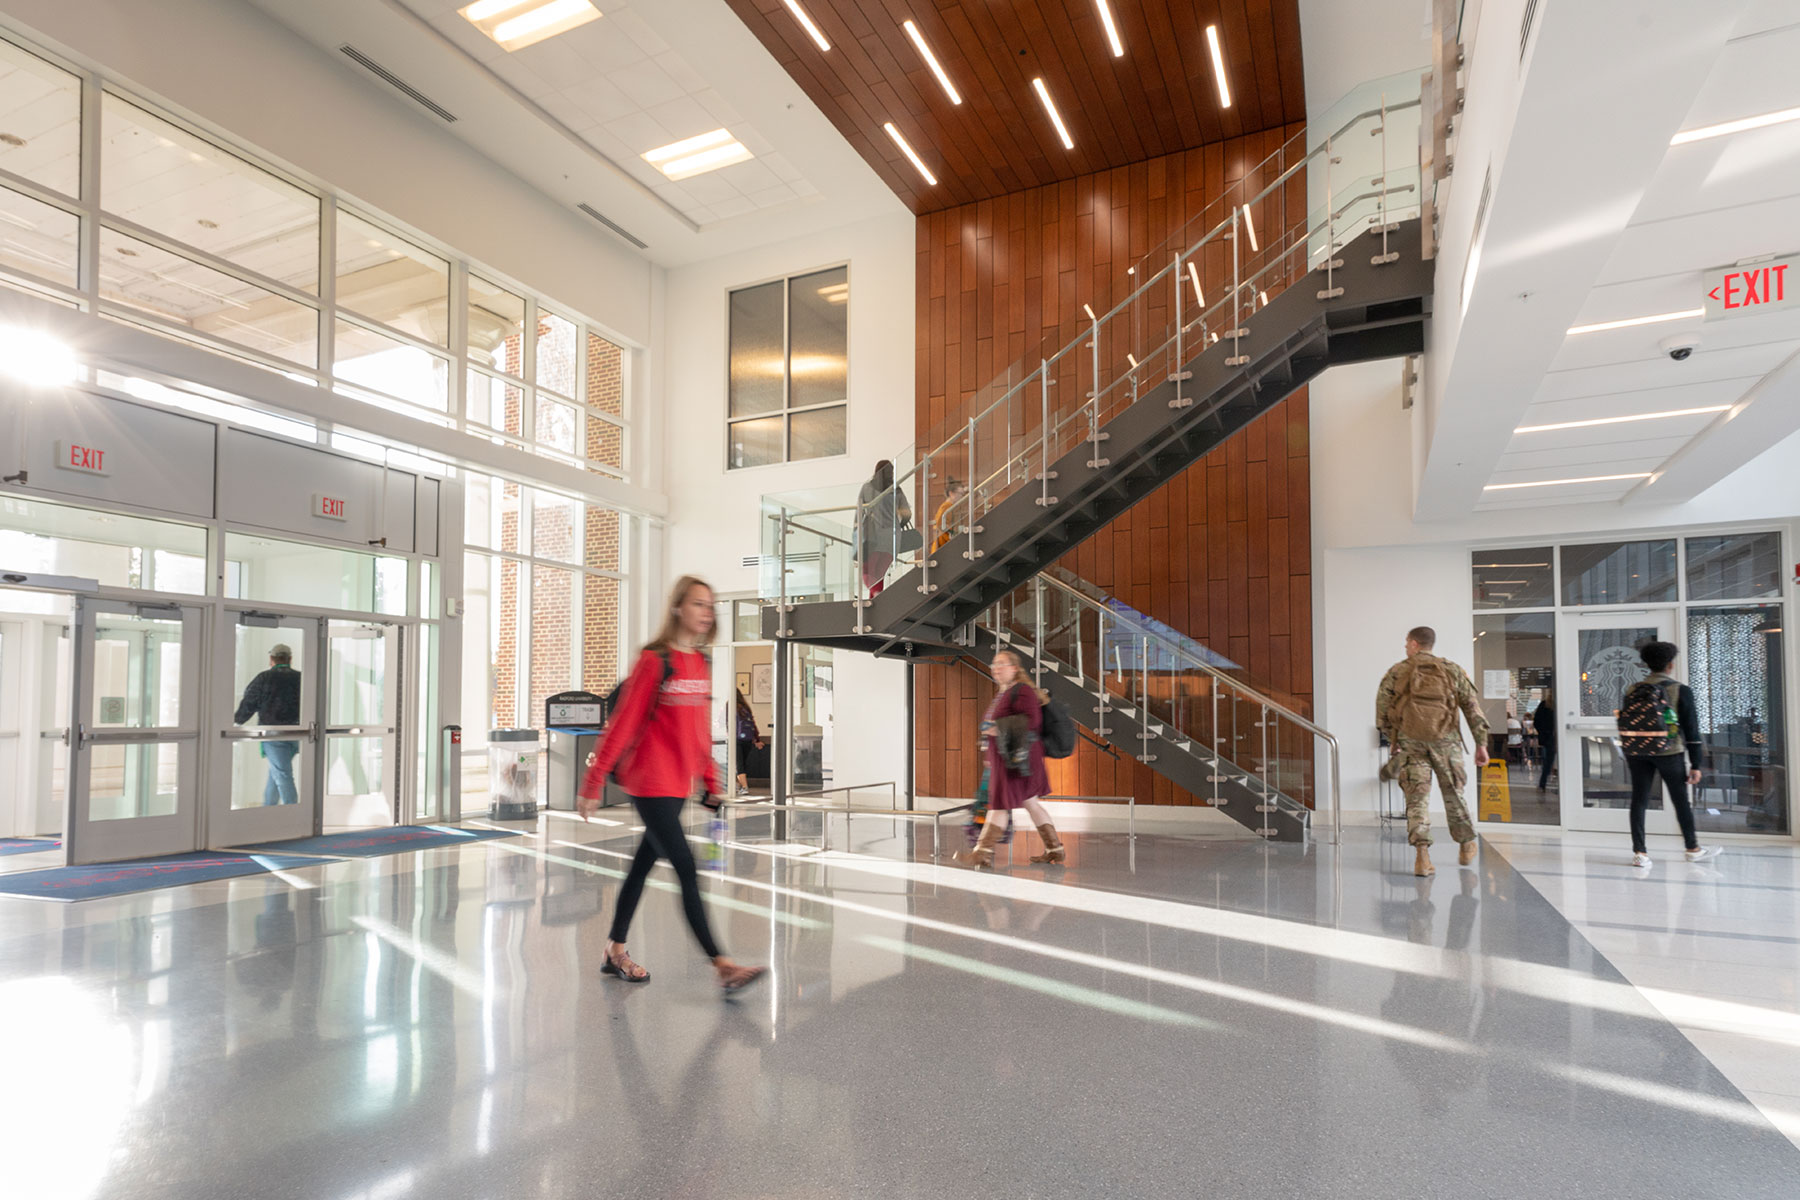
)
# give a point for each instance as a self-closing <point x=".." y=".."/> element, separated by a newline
<point x="1422" y="862"/>
<point x="1054" y="852"/>
<point x="983" y="853"/>
<point x="1466" y="856"/>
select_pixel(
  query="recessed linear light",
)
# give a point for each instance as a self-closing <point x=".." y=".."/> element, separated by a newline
<point x="1194" y="277"/>
<point x="1653" y="416"/>
<point x="1602" y="326"/>
<point x="1218" y="57"/>
<point x="911" y="155"/>
<point x="1062" y="131"/>
<point x="1112" y="30"/>
<point x="1507" y="487"/>
<point x="1509" y="566"/>
<point x="806" y="23"/>
<point x="1738" y="126"/>
<point x="1132" y="359"/>
<point x="516" y="24"/>
<point x="1089" y="311"/>
<point x="1250" y="228"/>
<point x="937" y="68"/>
<point x="698" y="155"/>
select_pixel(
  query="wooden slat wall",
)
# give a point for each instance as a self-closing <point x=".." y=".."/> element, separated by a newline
<point x="1223" y="551"/>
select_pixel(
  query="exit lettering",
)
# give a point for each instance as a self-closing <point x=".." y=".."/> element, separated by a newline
<point x="1746" y="289"/>
<point x="73" y="456"/>
<point x="329" y="507"/>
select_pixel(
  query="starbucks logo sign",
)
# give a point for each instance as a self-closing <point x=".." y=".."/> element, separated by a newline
<point x="1609" y="674"/>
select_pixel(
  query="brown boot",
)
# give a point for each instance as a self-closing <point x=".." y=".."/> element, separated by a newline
<point x="983" y="853"/>
<point x="1422" y="862"/>
<point x="1466" y="856"/>
<point x="1054" y="852"/>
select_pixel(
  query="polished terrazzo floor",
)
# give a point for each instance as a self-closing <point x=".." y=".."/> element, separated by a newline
<point x="1189" y="1016"/>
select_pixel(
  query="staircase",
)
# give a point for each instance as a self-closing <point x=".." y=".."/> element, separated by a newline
<point x="1151" y="387"/>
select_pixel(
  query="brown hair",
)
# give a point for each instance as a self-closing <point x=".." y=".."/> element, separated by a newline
<point x="672" y="620"/>
<point x="1425" y="635"/>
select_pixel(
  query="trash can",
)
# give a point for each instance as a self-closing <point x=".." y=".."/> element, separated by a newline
<point x="574" y="720"/>
<point x="512" y="774"/>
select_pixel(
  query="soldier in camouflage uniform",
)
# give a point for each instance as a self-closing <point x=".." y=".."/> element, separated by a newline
<point x="1415" y="760"/>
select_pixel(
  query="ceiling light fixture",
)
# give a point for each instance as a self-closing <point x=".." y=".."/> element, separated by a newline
<point x="516" y="24"/>
<point x="1652" y="416"/>
<point x="1264" y="297"/>
<point x="1738" y="126"/>
<point x="911" y="155"/>
<point x="1602" y="326"/>
<point x="1062" y="131"/>
<point x="1086" y="308"/>
<point x="1250" y="228"/>
<point x="1218" y="57"/>
<point x="806" y="23"/>
<point x="1194" y="277"/>
<point x="698" y="155"/>
<point x="1112" y="30"/>
<point x="1132" y="359"/>
<point x="937" y="68"/>
<point x="1507" y="487"/>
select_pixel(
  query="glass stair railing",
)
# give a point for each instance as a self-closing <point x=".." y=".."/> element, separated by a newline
<point x="1180" y="704"/>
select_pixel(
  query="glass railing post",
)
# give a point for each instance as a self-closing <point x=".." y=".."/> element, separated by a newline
<point x="781" y="623"/>
<point x="1037" y="617"/>
<point x="1238" y="357"/>
<point x="1144" y="754"/>
<point x="1263" y="766"/>
<point x="1176" y="368"/>
<point x="926" y="547"/>
<point x="972" y="553"/>
<point x="1045" y="474"/>
<point x="1218" y="759"/>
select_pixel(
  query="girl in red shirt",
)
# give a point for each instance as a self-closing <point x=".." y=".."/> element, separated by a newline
<point x="660" y="740"/>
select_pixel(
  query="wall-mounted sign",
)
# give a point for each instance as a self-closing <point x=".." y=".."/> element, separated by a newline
<point x="329" y="507"/>
<point x="1759" y="287"/>
<point x="73" y="456"/>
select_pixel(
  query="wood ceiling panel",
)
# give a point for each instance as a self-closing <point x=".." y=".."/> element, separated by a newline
<point x="1158" y="99"/>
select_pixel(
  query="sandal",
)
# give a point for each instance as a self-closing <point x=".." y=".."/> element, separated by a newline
<point x="620" y="965"/>
<point x="741" y="978"/>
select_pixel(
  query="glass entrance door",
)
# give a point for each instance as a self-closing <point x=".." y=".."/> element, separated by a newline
<point x="363" y="670"/>
<point x="135" y="738"/>
<point x="265" y="780"/>
<point x="1600" y="657"/>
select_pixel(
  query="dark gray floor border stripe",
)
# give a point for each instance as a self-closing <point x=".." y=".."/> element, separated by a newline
<point x="1703" y="933"/>
<point x="1623" y="877"/>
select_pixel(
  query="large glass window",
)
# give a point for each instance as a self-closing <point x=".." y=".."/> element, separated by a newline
<point x="1619" y="573"/>
<point x="40" y="240"/>
<point x="1515" y="664"/>
<point x="117" y="550"/>
<point x="1513" y="578"/>
<point x="41" y="140"/>
<point x="1735" y="667"/>
<point x="386" y="278"/>
<point x="1743" y="566"/>
<point x="263" y="568"/>
<point x="788" y="376"/>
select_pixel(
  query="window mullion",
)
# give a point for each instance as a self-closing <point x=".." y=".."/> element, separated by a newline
<point x="327" y="289"/>
<point x="87" y="262"/>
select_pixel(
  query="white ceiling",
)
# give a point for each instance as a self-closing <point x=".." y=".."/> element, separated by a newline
<point x="1710" y="203"/>
<point x="572" y="114"/>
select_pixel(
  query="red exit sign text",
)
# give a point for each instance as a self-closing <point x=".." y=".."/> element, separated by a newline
<point x="329" y="507"/>
<point x="1752" y="288"/>
<point x="74" y="456"/>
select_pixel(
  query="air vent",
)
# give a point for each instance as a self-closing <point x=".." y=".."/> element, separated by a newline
<point x="398" y="84"/>
<point x="1531" y="7"/>
<point x="595" y="213"/>
<point x="753" y="560"/>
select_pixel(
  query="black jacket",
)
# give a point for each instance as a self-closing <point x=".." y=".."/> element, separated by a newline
<point x="273" y="697"/>
<point x="1543" y="719"/>
<point x="1689" y="717"/>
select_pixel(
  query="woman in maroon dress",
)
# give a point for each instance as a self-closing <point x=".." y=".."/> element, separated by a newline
<point x="1013" y="756"/>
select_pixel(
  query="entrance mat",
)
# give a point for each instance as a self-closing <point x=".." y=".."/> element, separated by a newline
<point x="28" y="845"/>
<point x="143" y="875"/>
<point x="369" y="843"/>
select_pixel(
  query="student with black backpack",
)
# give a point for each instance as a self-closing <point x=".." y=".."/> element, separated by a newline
<point x="1659" y="731"/>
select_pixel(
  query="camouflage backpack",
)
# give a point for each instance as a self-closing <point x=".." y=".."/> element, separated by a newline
<point x="1425" y="708"/>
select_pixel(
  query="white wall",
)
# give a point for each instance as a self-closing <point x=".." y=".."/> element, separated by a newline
<point x="1377" y="572"/>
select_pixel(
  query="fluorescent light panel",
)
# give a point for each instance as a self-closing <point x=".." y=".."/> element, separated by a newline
<point x="1112" y="30"/>
<point x="1653" y="416"/>
<point x="806" y="23"/>
<point x="516" y="24"/>
<point x="1218" y="57"/>
<point x="911" y="155"/>
<point x="1738" y="126"/>
<point x="1507" y="487"/>
<point x="1062" y="131"/>
<point x="698" y="155"/>
<point x="1194" y="277"/>
<point x="1602" y="326"/>
<point x="1250" y="228"/>
<point x="937" y="68"/>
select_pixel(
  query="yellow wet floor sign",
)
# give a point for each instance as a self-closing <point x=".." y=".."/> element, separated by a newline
<point x="1496" y="793"/>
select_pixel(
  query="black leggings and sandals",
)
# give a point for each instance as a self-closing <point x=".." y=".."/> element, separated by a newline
<point x="663" y="838"/>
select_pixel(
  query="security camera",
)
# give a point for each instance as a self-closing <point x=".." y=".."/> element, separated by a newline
<point x="1680" y="345"/>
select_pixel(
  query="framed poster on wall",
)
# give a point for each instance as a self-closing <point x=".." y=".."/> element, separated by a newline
<point x="762" y="683"/>
<point x="743" y="682"/>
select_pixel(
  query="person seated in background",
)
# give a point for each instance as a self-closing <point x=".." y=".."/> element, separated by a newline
<point x="1515" y="737"/>
<point x="944" y="522"/>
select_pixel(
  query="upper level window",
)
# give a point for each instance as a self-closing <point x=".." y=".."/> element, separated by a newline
<point x="789" y="373"/>
<point x="1513" y="578"/>
<point x="1619" y="572"/>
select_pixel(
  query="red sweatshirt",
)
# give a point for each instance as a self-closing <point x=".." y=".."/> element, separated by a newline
<point x="661" y="742"/>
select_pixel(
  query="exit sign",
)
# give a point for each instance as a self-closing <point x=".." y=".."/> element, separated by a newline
<point x="89" y="460"/>
<point x="1753" y="288"/>
<point x="329" y="507"/>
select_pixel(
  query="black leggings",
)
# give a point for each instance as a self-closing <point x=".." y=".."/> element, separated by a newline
<point x="663" y="838"/>
<point x="1672" y="770"/>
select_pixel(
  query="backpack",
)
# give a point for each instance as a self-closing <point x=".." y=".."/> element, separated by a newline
<point x="1425" y="709"/>
<point x="610" y="704"/>
<point x="1058" y="736"/>
<point x="1648" y="725"/>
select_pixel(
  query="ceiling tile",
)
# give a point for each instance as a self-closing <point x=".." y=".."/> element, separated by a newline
<point x="685" y="76"/>
<point x="639" y="31"/>
<point x="646" y="83"/>
<point x="600" y="100"/>
<point x="727" y="209"/>
<point x="640" y="132"/>
<point x="683" y="116"/>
